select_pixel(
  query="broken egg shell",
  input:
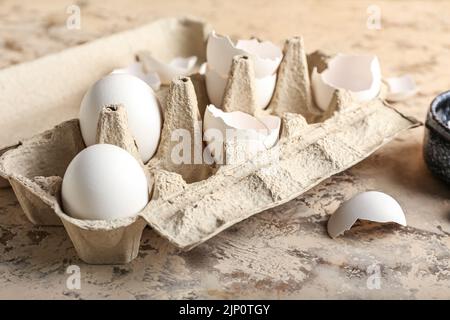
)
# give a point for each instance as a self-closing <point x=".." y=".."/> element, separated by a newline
<point x="263" y="133"/>
<point x="266" y="56"/>
<point x="243" y="123"/>
<point x="137" y="69"/>
<point x="220" y="51"/>
<point x="359" y="74"/>
<point x="372" y="206"/>
<point x="400" y="88"/>
<point x="178" y="66"/>
<point x="216" y="85"/>
<point x="273" y="123"/>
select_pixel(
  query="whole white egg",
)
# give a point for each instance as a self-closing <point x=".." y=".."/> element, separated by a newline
<point x="104" y="182"/>
<point x="140" y="102"/>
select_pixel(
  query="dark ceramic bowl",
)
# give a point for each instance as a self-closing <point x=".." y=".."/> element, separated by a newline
<point x="436" y="147"/>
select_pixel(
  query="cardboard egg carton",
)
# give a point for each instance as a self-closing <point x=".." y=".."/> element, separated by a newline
<point x="191" y="203"/>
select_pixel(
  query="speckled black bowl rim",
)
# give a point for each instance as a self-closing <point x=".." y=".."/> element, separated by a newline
<point x="433" y="122"/>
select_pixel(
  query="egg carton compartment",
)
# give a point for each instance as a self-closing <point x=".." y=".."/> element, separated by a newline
<point x="4" y="182"/>
<point x="191" y="203"/>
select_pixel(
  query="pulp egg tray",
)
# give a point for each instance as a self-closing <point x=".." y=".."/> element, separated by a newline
<point x="189" y="203"/>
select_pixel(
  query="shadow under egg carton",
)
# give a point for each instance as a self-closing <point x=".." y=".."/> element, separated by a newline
<point x="191" y="203"/>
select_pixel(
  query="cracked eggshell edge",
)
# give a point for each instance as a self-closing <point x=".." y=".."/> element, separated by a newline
<point x="266" y="56"/>
<point x="220" y="51"/>
<point x="179" y="66"/>
<point x="372" y="206"/>
<point x="250" y="127"/>
<point x="323" y="89"/>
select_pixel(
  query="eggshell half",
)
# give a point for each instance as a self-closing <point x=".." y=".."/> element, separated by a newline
<point x="359" y="74"/>
<point x="141" y="104"/>
<point x="372" y="205"/>
<point x="401" y="88"/>
<point x="273" y="123"/>
<point x="104" y="182"/>
<point x="262" y="133"/>
<point x="266" y="56"/>
<point x="243" y="123"/>
<point x="220" y="51"/>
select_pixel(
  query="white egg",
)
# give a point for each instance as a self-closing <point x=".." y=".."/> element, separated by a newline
<point x="104" y="182"/>
<point x="144" y="115"/>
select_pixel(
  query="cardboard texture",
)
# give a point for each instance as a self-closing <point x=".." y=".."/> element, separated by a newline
<point x="190" y="203"/>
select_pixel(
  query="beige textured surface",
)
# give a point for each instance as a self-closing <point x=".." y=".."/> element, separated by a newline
<point x="283" y="252"/>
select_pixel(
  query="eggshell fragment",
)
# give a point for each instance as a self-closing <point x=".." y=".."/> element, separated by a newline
<point x="260" y="134"/>
<point x="202" y="68"/>
<point x="273" y="123"/>
<point x="141" y="104"/>
<point x="372" y="206"/>
<point x="401" y="88"/>
<point x="266" y="56"/>
<point x="243" y="123"/>
<point x="137" y="69"/>
<point x="104" y="182"/>
<point x="216" y="85"/>
<point x="264" y="88"/>
<point x="178" y="66"/>
<point x="220" y="51"/>
<point x="359" y="74"/>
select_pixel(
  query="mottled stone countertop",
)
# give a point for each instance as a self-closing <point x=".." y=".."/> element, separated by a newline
<point x="284" y="252"/>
